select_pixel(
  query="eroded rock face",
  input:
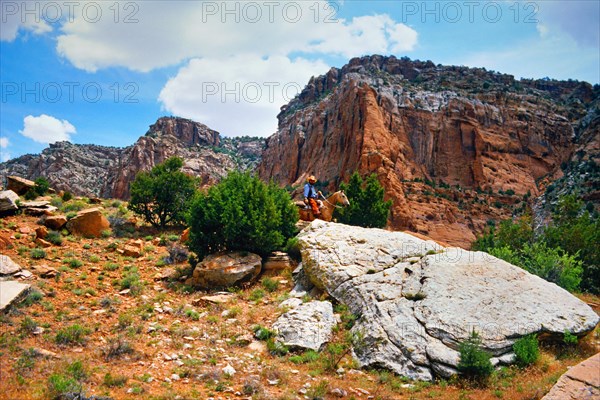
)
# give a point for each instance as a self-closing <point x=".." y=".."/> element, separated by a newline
<point x="8" y="266"/>
<point x="307" y="326"/>
<point x="416" y="300"/>
<point x="101" y="171"/>
<point x="223" y="270"/>
<point x="410" y="121"/>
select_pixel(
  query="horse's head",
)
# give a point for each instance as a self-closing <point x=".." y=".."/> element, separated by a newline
<point x="342" y="198"/>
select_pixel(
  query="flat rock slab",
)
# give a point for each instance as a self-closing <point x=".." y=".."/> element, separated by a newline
<point x="581" y="382"/>
<point x="11" y="291"/>
<point x="307" y="326"/>
<point x="416" y="300"/>
<point x="8" y="266"/>
<point x="223" y="270"/>
<point x="8" y="201"/>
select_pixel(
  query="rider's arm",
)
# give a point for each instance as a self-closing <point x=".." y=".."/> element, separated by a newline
<point x="306" y="191"/>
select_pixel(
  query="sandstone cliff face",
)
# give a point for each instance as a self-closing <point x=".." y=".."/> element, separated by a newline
<point x="92" y="170"/>
<point x="454" y="147"/>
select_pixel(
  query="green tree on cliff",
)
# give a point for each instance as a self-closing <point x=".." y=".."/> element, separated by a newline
<point x="162" y="196"/>
<point x="367" y="207"/>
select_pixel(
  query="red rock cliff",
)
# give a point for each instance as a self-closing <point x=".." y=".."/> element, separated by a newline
<point x="454" y="147"/>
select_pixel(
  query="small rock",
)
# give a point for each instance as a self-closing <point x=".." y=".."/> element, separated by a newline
<point x="43" y="243"/>
<point x="340" y="370"/>
<point x="229" y="370"/>
<point x="41" y="232"/>
<point x="175" y="377"/>
<point x="337" y="392"/>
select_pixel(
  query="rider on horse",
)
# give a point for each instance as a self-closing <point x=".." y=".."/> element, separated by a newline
<point x="311" y="195"/>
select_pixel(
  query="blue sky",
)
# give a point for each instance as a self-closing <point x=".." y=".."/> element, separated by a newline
<point x="102" y="71"/>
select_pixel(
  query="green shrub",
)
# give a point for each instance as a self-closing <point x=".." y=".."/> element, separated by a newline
<point x="569" y="339"/>
<point x="59" y="384"/>
<point x="55" y="238"/>
<point x="131" y="280"/>
<point x="67" y="196"/>
<point x="114" y="381"/>
<point x="37" y="253"/>
<point x="74" y="334"/>
<point x="474" y="362"/>
<point x="162" y="196"/>
<point x="73" y="262"/>
<point x="241" y="213"/>
<point x="367" y="207"/>
<point x="526" y="350"/>
<point x="262" y="333"/>
<point x="270" y="284"/>
<point x="39" y="189"/>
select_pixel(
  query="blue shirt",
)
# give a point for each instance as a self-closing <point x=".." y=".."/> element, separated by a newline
<point x="310" y="192"/>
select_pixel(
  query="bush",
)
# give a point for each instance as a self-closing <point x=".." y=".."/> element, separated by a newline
<point x="39" y="189"/>
<point x="526" y="350"/>
<point x="67" y="196"/>
<point x="55" y="238"/>
<point x="367" y="207"/>
<point x="569" y="339"/>
<point x="74" y="334"/>
<point x="241" y="213"/>
<point x="474" y="362"/>
<point x="37" y="253"/>
<point x="162" y="195"/>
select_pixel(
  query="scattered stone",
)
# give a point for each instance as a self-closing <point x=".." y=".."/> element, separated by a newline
<point x="19" y="185"/>
<point x="277" y="261"/>
<point x="55" y="222"/>
<point x="581" y="382"/>
<point x="8" y="201"/>
<point x="229" y="370"/>
<point x="290" y="303"/>
<point x="88" y="223"/>
<point x="42" y="207"/>
<point x="25" y="230"/>
<point x="185" y="235"/>
<point x="175" y="377"/>
<point x="337" y="392"/>
<point x="130" y="251"/>
<point x="44" y="271"/>
<point x="307" y="326"/>
<point x="219" y="298"/>
<point x="224" y="270"/>
<point x="407" y="323"/>
<point x="10" y="292"/>
<point x="23" y="274"/>
<point x="41" y="232"/>
<point x="43" y="243"/>
<point x="258" y="347"/>
<point x="38" y="330"/>
<point x="8" y="266"/>
<point x="165" y="273"/>
<point x="46" y="353"/>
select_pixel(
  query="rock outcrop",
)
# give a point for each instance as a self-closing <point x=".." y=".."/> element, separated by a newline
<point x="581" y="382"/>
<point x="416" y="301"/>
<point x="88" y="223"/>
<point x="454" y="147"/>
<point x="8" y="201"/>
<point x="100" y="171"/>
<point x="224" y="270"/>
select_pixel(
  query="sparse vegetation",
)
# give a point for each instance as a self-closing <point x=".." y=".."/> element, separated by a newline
<point x="526" y="350"/>
<point x="474" y="362"/>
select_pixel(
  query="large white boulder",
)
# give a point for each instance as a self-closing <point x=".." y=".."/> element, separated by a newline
<point x="416" y="300"/>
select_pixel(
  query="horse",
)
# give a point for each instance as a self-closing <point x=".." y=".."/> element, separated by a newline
<point x="329" y="204"/>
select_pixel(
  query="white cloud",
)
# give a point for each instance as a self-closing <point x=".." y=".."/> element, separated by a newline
<point x="169" y="33"/>
<point x="578" y="19"/>
<point x="22" y="15"/>
<point x="47" y="129"/>
<point x="239" y="95"/>
<point x="4" y="142"/>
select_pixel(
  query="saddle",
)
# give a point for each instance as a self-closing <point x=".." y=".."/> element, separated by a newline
<point x="302" y="205"/>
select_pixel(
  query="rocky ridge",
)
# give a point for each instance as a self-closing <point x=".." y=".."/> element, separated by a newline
<point x="454" y="147"/>
<point x="101" y="171"/>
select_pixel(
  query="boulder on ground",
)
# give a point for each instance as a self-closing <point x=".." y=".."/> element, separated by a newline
<point x="44" y="271"/>
<point x="19" y="185"/>
<point x="8" y="266"/>
<point x="224" y="270"/>
<point x="185" y="235"/>
<point x="417" y="300"/>
<point x="277" y="261"/>
<point x="8" y="201"/>
<point x="38" y="207"/>
<point x="88" y="223"/>
<point x="41" y="232"/>
<point x="307" y="326"/>
<point x="55" y="222"/>
<point x="11" y="292"/>
<point x="581" y="382"/>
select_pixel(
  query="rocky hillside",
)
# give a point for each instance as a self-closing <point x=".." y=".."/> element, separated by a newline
<point x="92" y="170"/>
<point x="454" y="147"/>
